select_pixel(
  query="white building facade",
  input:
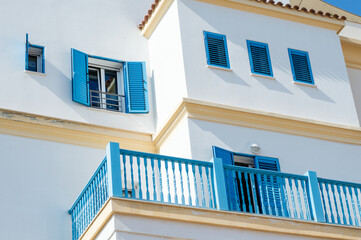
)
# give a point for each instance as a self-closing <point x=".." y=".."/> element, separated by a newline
<point x="197" y="78"/>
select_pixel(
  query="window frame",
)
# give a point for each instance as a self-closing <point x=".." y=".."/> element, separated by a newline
<point x="260" y="44"/>
<point x="303" y="53"/>
<point x="224" y="38"/>
<point x="40" y="59"/>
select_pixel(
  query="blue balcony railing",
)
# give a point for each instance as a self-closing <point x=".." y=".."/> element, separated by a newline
<point x="163" y="179"/>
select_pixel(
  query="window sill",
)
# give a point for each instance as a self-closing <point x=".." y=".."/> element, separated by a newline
<point x="305" y="84"/>
<point x="219" y="68"/>
<point x="262" y="76"/>
<point x="35" y="73"/>
<point x="107" y="111"/>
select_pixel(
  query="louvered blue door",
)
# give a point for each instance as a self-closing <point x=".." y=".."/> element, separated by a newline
<point x="216" y="50"/>
<point x="301" y="67"/>
<point x="259" y="58"/>
<point x="80" y="77"/>
<point x="269" y="187"/>
<point x="136" y="91"/>
<point x="230" y="178"/>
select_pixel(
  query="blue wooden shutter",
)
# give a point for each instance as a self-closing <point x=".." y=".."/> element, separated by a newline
<point x="136" y="92"/>
<point x="80" y="77"/>
<point x="230" y="178"/>
<point x="26" y="51"/>
<point x="259" y="58"/>
<point x="216" y="50"/>
<point x="301" y="67"/>
<point x="271" y="188"/>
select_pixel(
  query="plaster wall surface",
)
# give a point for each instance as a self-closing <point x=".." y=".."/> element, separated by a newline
<point x="330" y="100"/>
<point x="123" y="227"/>
<point x="166" y="57"/>
<point x="296" y="154"/>
<point x="40" y="180"/>
<point x="355" y="81"/>
<point x="101" y="28"/>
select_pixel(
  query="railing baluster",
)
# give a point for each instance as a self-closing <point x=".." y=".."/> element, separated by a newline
<point x="329" y="202"/>
<point x="254" y="194"/>
<point x="195" y="184"/>
<point x="288" y="209"/>
<point x="181" y="183"/>
<point x="145" y="159"/>
<point x="242" y="200"/>
<point x="248" y="181"/>
<point x="357" y="200"/>
<point x="347" y="205"/>
<point x="353" y="205"/>
<point x="125" y="176"/>
<point x="305" y="200"/>
<point x="323" y="201"/>
<point x="189" y="185"/>
<point x="274" y="195"/>
<point x="154" y="187"/>
<point x="342" y="208"/>
<point x="160" y="180"/>
<point x="333" y="189"/>
<point x="266" y="184"/>
<point x="139" y="179"/>
<point x="175" y="183"/>
<point x="293" y="199"/>
<point x="259" y="180"/>
<point x="209" y="187"/>
<point x="200" y="169"/>
<point x="132" y="175"/>
<point x="166" y="163"/>
<point x="299" y="198"/>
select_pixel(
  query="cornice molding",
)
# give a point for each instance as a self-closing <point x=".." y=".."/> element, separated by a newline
<point x="237" y="220"/>
<point x="352" y="52"/>
<point x="70" y="132"/>
<point x="242" y="117"/>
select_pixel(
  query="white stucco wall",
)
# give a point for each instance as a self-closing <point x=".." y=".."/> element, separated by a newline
<point x="39" y="182"/>
<point x="106" y="29"/>
<point x="166" y="57"/>
<point x="125" y="227"/>
<point x="178" y="143"/>
<point x="296" y="154"/>
<point x="355" y="81"/>
<point x="330" y="101"/>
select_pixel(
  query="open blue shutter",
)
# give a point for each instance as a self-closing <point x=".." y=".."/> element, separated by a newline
<point x="80" y="77"/>
<point x="230" y="178"/>
<point x="271" y="188"/>
<point x="259" y="58"/>
<point x="301" y="67"/>
<point x="216" y="49"/>
<point x="26" y="51"/>
<point x="136" y="92"/>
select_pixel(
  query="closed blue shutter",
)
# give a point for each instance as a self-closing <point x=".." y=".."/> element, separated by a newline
<point x="271" y="188"/>
<point x="80" y="77"/>
<point x="230" y="179"/>
<point x="216" y="50"/>
<point x="301" y="67"/>
<point x="136" y="92"/>
<point x="259" y="58"/>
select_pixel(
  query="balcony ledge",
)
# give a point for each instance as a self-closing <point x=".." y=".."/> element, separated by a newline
<point x="118" y="206"/>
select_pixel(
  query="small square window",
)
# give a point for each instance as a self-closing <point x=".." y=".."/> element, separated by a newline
<point x="301" y="66"/>
<point x="34" y="58"/>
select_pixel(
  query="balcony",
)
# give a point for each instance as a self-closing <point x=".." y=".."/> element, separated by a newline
<point x="216" y="186"/>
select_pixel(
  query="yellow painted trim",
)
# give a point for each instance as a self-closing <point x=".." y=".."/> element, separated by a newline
<point x="252" y="7"/>
<point x="238" y="220"/>
<point x="156" y="17"/>
<point x="57" y="130"/>
<point x="242" y="117"/>
<point x="352" y="52"/>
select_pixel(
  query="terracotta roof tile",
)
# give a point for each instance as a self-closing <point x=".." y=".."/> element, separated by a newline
<point x="278" y="4"/>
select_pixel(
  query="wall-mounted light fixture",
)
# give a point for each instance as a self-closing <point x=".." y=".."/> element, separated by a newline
<point x="254" y="148"/>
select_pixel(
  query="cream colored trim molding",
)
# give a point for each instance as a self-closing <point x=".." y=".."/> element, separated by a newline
<point x="352" y="52"/>
<point x="58" y="130"/>
<point x="156" y="17"/>
<point x="237" y="220"/>
<point x="242" y="117"/>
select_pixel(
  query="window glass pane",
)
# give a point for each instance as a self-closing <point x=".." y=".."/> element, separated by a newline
<point x="94" y="87"/>
<point x="111" y="87"/>
<point x="32" y="63"/>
